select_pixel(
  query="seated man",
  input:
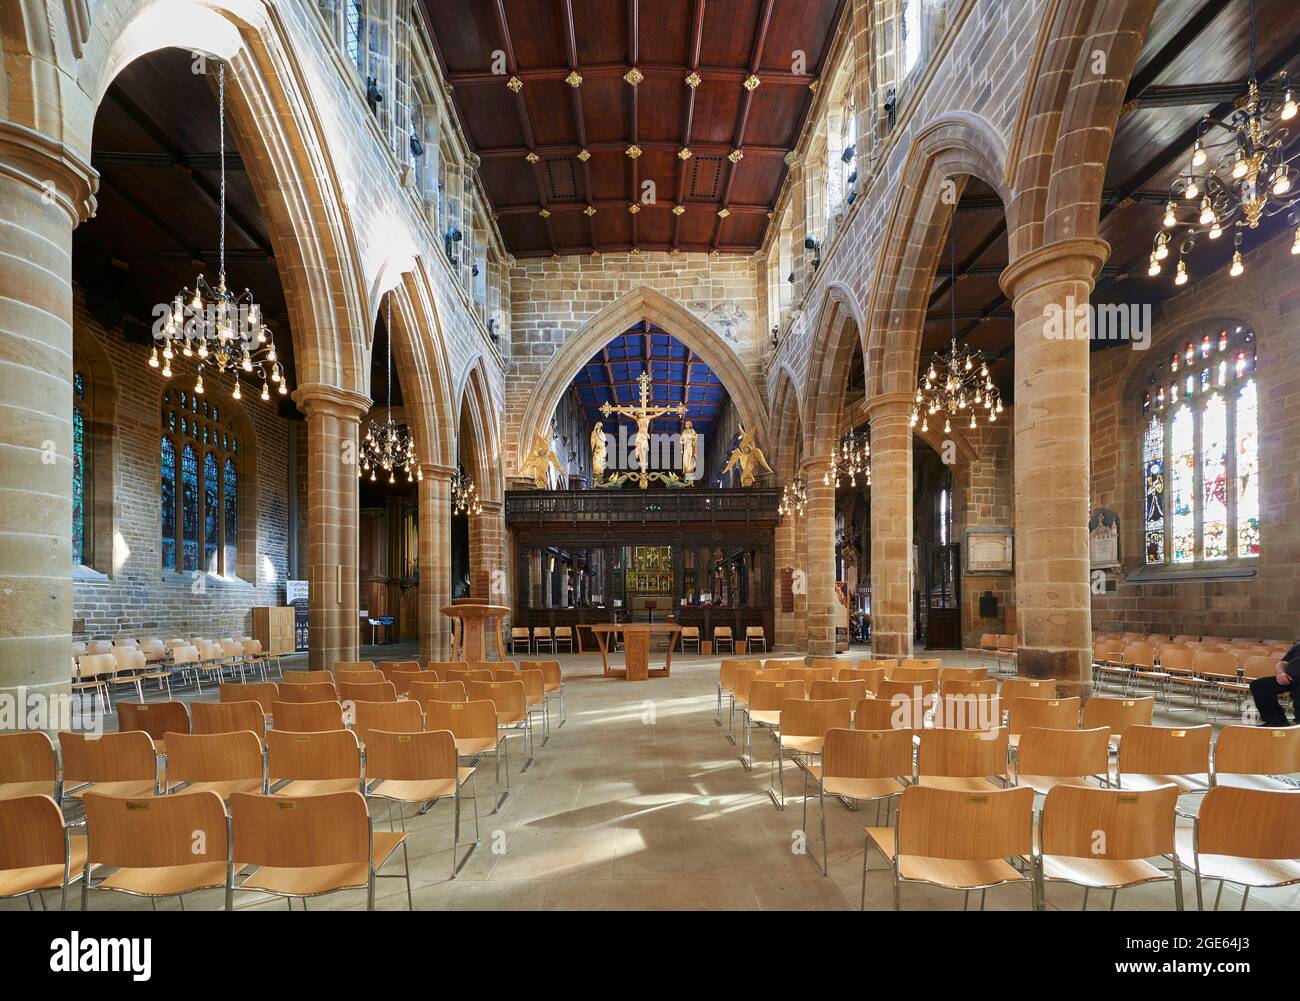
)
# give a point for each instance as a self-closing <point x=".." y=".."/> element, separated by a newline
<point x="1266" y="690"/>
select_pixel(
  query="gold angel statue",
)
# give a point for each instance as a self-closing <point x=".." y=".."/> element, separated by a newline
<point x="540" y="458"/>
<point x="598" y="454"/>
<point x="748" y="458"/>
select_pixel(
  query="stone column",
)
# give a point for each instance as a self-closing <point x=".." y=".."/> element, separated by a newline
<point x="333" y="543"/>
<point x="45" y="191"/>
<point x="435" y="561"/>
<point x="891" y="525"/>
<point x="785" y="638"/>
<point x="487" y="532"/>
<point x="819" y="562"/>
<point x="1052" y="456"/>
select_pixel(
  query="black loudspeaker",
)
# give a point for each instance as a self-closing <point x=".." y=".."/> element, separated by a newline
<point x="988" y="605"/>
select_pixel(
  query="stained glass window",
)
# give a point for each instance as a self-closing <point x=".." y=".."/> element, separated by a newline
<point x="189" y="509"/>
<point x="211" y="512"/>
<point x="168" y="495"/>
<point x="78" y="470"/>
<point x="232" y="513"/>
<point x="1153" y="453"/>
<point x="1200" y="457"/>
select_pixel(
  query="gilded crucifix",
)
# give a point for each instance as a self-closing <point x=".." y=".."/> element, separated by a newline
<point x="643" y="413"/>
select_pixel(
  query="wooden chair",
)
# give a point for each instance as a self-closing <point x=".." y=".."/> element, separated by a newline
<point x="118" y="764"/>
<point x="753" y="636"/>
<point x="906" y="674"/>
<point x="859" y="765"/>
<point x="1224" y="677"/>
<point x="1178" y="663"/>
<point x="854" y="691"/>
<point x="885" y="664"/>
<point x="542" y="638"/>
<point x="1135" y="826"/>
<point x="401" y="673"/>
<point x="380" y="691"/>
<point x="963" y="760"/>
<point x="563" y="634"/>
<point x="785" y="664"/>
<point x="956" y="839"/>
<point x="1005" y="657"/>
<point x="1047" y="714"/>
<point x="926" y="690"/>
<point x="721" y="635"/>
<point x="1159" y="755"/>
<point x="473" y="725"/>
<point x="1047" y="758"/>
<point x="223" y="763"/>
<point x="265" y="694"/>
<point x="961" y="686"/>
<point x="307" y="717"/>
<point x="1117" y="715"/>
<point x="988" y="646"/>
<point x="157" y="719"/>
<point x="312" y="764"/>
<point x="510" y="698"/>
<point x="406" y="768"/>
<point x="437" y="669"/>
<point x="353" y="665"/>
<point x="967" y="712"/>
<point x="1139" y="659"/>
<point x="950" y="674"/>
<point x="28" y="766"/>
<point x="1250" y="756"/>
<point x="437" y="691"/>
<point x="804" y="725"/>
<point x="394" y="717"/>
<point x="763" y="709"/>
<point x="317" y="845"/>
<point x="227" y="717"/>
<point x="141" y="840"/>
<point x="870" y="676"/>
<point x="467" y="674"/>
<point x="898" y="713"/>
<point x="744" y="681"/>
<point x="691" y="634"/>
<point x="1107" y="663"/>
<point x="552" y="684"/>
<point x="91" y="672"/>
<point x="98" y="647"/>
<point x="726" y="684"/>
<point x="300" y="693"/>
<point x="307" y="677"/>
<point x="520" y="634"/>
<point x="1247" y="837"/>
<point x="921" y="663"/>
<point x="375" y="677"/>
<point x="37" y="850"/>
<point x="1033" y="688"/>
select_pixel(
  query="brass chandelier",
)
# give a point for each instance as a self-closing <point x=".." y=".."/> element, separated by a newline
<point x="957" y="384"/>
<point x="851" y="459"/>
<point x="1251" y="177"/>
<point x="389" y="446"/>
<point x="220" y="328"/>
<point x="794" y="496"/>
<point x="464" y="494"/>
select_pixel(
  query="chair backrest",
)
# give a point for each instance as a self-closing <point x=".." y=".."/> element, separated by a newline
<point x="897" y="713"/>
<point x="1255" y="750"/>
<point x="1249" y="823"/>
<point x="690" y="632"/>
<point x="1063" y="753"/>
<point x="867" y="754"/>
<point x="128" y="658"/>
<point x="94" y="665"/>
<point x="550" y="669"/>
<point x="154" y="718"/>
<point x="437" y="691"/>
<point x="784" y="663"/>
<point x="143" y="833"/>
<point x="743" y="681"/>
<point x="1219" y="664"/>
<point x="753" y="631"/>
<point x="1049" y="714"/>
<point x="1117" y="714"/>
<point x="722" y="631"/>
<point x="542" y="632"/>
<point x="153" y="649"/>
<point x="228" y="717"/>
<point x="947" y="674"/>
<point x="465" y="720"/>
<point x="303" y="832"/>
<point x="886" y="664"/>
<point x="28" y="757"/>
<point x="870" y="676"/>
<point x="988" y="641"/>
<point x="308" y="693"/>
<point x="111" y="757"/>
<point x="439" y="668"/>
<point x="1258" y="666"/>
<point x="411" y="757"/>
<point x="955" y="711"/>
<point x="1139" y="654"/>
<point x="509" y="697"/>
<point x="231" y="649"/>
<point x="730" y="665"/>
<point x="394" y="717"/>
<point x="468" y="674"/>
<point x="1175" y="658"/>
<point x="919" y="689"/>
<point x="328" y="754"/>
<point x="806" y="718"/>
<point x="307" y="717"/>
<point x="534" y="684"/>
<point x="353" y="665"/>
<point x="766" y="696"/>
<point x="926" y="663"/>
<point x="962" y="686"/>
<point x="99" y="646"/>
<point x="1015" y="688"/>
<point x="1136" y="824"/>
<point x="960" y="825"/>
<point x="308" y="677"/>
<point x="1184" y="638"/>
<point x="375" y="677"/>
<point x="379" y="691"/>
<point x="854" y="691"/>
<point x="926" y="675"/>
<point x="963" y="753"/>
<point x="264" y="693"/>
<point x="1108" y="650"/>
<point x="1165" y="750"/>
<point x="31" y="833"/>
<point x="519" y="632"/>
<point x="564" y="632"/>
<point x="808" y="675"/>
<point x="214" y="757"/>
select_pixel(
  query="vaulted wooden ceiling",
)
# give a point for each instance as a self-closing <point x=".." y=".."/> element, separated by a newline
<point x="567" y="143"/>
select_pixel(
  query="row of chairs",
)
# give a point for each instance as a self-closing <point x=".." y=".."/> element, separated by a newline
<point x="1179" y="639"/>
<point x="1202" y="674"/>
<point x="541" y="639"/>
<point x="997" y="649"/>
<point x="100" y="667"/>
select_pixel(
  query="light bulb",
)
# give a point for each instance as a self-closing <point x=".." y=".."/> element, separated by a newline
<point x="1215" y="230"/>
<point x="1198" y="154"/>
<point x="167" y="371"/>
<point x="972" y="420"/>
<point x="283" y="388"/>
<point x="1281" y="181"/>
<point x="236" y="393"/>
<point x="1181" y="277"/>
<point x="1237" y="267"/>
<point x="1295" y="247"/>
<point x="1170" y="219"/>
<point x="1207" y="212"/>
<point x="198" y="384"/>
<point x="266" y="391"/>
<point x="153" y="358"/>
<point x="1238" y="166"/>
<point x="1192" y="190"/>
<point x="947" y="426"/>
<point x="925" y="425"/>
<point x="1288" y="108"/>
<point x="1153" y="268"/>
<point x="1162" y="248"/>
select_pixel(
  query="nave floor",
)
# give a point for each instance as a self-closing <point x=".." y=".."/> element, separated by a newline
<point x="639" y="802"/>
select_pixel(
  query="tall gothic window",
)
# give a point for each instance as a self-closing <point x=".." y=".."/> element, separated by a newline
<point x="199" y="468"/>
<point x="80" y="479"/>
<point x="1200" y="452"/>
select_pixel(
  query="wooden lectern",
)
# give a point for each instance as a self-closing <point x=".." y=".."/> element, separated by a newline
<point x="467" y="633"/>
<point x="636" y="648"/>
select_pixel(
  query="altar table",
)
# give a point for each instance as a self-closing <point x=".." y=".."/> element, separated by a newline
<point x="636" y="647"/>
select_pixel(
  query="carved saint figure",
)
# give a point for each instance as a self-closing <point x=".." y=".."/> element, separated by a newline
<point x="690" y="451"/>
<point x="540" y="458"/>
<point x="748" y="458"/>
<point x="598" y="451"/>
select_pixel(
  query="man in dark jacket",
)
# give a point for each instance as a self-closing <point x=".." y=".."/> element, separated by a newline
<point x="1270" y="686"/>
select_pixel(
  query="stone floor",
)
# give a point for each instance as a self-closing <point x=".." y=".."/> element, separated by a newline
<point x="639" y="802"/>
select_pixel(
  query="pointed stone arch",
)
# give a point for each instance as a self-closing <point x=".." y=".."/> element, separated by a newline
<point x="639" y="304"/>
<point x="477" y="422"/>
<point x="839" y="331"/>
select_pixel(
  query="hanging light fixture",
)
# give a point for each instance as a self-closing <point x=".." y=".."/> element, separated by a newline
<point x="464" y="494"/>
<point x="389" y="446"/>
<point x="956" y="385"/>
<point x="223" y="330"/>
<point x="1249" y="177"/>
<point x="794" y="495"/>
<point x="851" y="460"/>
